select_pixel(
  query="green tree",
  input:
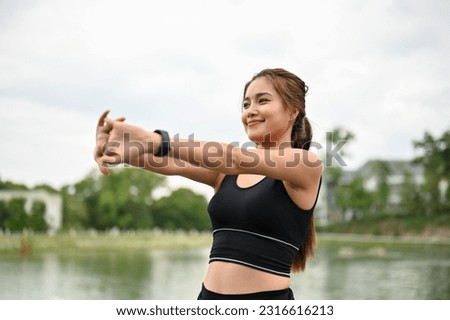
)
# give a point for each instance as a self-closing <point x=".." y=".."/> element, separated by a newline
<point x="75" y="211"/>
<point x="354" y="199"/>
<point x="47" y="188"/>
<point x="411" y="196"/>
<point x="36" y="218"/>
<point x="4" y="214"/>
<point x="82" y="195"/>
<point x="333" y="171"/>
<point x="381" y="170"/>
<point x="9" y="185"/>
<point x="17" y="219"/>
<point x="435" y="160"/>
<point x="125" y="198"/>
<point x="182" y="209"/>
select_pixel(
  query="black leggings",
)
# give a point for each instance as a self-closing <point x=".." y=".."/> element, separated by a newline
<point x="285" y="294"/>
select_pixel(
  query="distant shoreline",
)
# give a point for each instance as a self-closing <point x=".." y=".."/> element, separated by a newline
<point x="410" y="227"/>
<point x="150" y="240"/>
<point x="367" y="238"/>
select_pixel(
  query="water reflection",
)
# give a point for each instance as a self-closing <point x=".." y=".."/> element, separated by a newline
<point x="75" y="275"/>
<point x="177" y="275"/>
<point x="337" y="272"/>
<point x="346" y="272"/>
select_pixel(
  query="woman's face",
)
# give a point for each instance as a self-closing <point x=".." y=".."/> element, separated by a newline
<point x="266" y="121"/>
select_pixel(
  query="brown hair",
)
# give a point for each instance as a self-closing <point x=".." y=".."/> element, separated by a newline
<point x="293" y="90"/>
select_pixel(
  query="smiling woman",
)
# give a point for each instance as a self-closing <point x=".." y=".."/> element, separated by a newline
<point x="285" y="91"/>
<point x="262" y="210"/>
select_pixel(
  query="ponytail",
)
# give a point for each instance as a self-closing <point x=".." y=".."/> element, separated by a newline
<point x="301" y="133"/>
<point x="301" y="138"/>
<point x="306" y="249"/>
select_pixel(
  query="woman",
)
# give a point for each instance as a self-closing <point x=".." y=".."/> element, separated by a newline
<point x="264" y="199"/>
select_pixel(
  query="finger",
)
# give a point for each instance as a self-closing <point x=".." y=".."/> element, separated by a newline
<point x="101" y="120"/>
<point x="108" y="125"/>
<point x="98" y="152"/>
<point x="121" y="119"/>
<point x="105" y="163"/>
<point x="103" y="167"/>
<point x="110" y="160"/>
<point x="104" y="170"/>
<point x="108" y="150"/>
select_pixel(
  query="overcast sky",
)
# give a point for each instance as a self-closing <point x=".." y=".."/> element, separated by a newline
<point x="377" y="67"/>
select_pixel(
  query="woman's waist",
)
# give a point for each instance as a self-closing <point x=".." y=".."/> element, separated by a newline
<point x="233" y="278"/>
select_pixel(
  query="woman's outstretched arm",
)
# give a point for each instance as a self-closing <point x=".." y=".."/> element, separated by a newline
<point x="110" y="133"/>
<point x="133" y="145"/>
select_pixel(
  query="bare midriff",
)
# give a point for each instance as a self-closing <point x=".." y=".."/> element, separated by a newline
<point x="232" y="278"/>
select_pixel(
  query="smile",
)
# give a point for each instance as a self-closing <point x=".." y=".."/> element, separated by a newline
<point x="252" y="123"/>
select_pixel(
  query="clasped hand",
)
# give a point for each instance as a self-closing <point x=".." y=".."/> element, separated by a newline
<point x="119" y="142"/>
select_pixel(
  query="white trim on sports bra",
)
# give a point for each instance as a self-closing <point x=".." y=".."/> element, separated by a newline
<point x="256" y="234"/>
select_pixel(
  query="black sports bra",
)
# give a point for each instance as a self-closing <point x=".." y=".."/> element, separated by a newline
<point x="259" y="226"/>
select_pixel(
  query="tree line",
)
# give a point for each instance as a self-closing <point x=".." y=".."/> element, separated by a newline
<point x="350" y="199"/>
<point x="125" y="199"/>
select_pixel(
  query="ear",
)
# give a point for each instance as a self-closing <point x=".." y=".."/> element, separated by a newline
<point x="294" y="114"/>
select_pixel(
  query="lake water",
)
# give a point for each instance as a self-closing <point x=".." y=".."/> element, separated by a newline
<point x="339" y="271"/>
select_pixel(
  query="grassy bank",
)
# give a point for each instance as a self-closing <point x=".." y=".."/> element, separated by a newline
<point x="149" y="240"/>
<point x="396" y="226"/>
